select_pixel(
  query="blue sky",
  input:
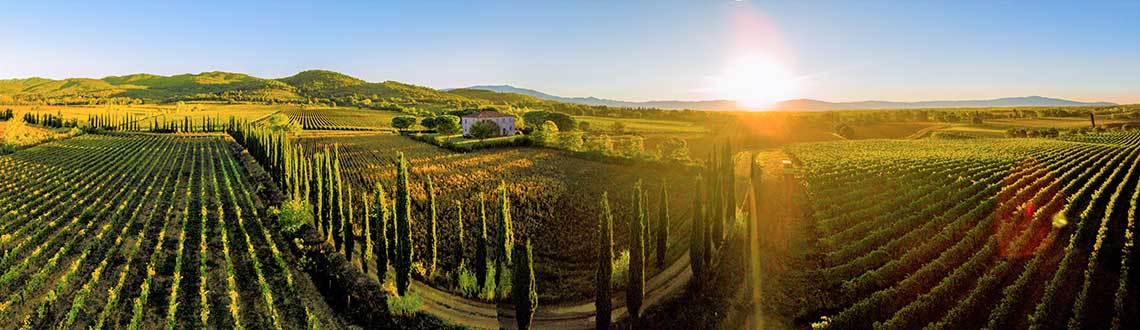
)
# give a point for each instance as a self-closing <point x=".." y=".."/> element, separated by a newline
<point x="633" y="50"/>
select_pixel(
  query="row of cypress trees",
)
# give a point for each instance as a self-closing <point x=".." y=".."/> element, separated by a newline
<point x="384" y="229"/>
<point x="639" y="232"/>
<point x="714" y="206"/>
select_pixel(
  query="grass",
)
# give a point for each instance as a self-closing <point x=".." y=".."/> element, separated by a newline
<point x="642" y="125"/>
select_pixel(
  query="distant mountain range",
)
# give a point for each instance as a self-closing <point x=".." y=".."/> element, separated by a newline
<point x="325" y="87"/>
<point x="799" y="104"/>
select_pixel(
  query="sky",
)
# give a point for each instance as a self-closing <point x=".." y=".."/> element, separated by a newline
<point x="629" y="50"/>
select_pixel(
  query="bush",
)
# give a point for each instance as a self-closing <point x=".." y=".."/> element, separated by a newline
<point x="447" y="125"/>
<point x="468" y="284"/>
<point x="620" y="270"/>
<point x="405" y="305"/>
<point x="403" y="122"/>
<point x="292" y="215"/>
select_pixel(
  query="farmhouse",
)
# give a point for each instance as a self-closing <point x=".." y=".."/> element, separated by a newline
<point x="505" y="124"/>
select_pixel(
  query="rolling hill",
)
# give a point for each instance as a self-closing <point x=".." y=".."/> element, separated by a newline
<point x="799" y="104"/>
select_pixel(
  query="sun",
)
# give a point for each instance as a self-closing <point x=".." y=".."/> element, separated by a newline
<point x="755" y="82"/>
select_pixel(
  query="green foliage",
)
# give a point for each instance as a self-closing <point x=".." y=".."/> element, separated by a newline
<point x="663" y="226"/>
<point x="447" y="125"/>
<point x="282" y="123"/>
<point x="571" y="141"/>
<point x="481" y="257"/>
<point x="603" y="293"/>
<point x="403" y="122"/>
<point x="545" y="134"/>
<point x="634" y="289"/>
<point x="432" y="238"/>
<point x="483" y="129"/>
<point x="525" y="290"/>
<point x="460" y="246"/>
<point x="563" y="121"/>
<point x="468" y="284"/>
<point x="380" y="224"/>
<point x="405" y="304"/>
<point x="292" y="215"/>
<point x="428" y="122"/>
<point x="505" y="234"/>
<point x="697" y="233"/>
<point x="403" y="228"/>
<point x="619" y="274"/>
<point x="675" y="149"/>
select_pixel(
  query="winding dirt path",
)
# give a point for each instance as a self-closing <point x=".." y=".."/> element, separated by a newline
<point x="459" y="310"/>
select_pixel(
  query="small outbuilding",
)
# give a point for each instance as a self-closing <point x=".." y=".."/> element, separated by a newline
<point x="505" y="123"/>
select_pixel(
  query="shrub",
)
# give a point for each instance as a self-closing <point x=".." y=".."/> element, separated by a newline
<point x="292" y="215"/>
<point x="447" y="125"/>
<point x="405" y="305"/>
<point x="468" y="285"/>
<point x="620" y="271"/>
<point x="403" y="122"/>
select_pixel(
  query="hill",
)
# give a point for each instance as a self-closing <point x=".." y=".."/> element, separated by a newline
<point x="1027" y="101"/>
<point x="672" y="105"/>
<point x="799" y="104"/>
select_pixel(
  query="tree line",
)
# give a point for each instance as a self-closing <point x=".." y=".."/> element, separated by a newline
<point x="382" y="228"/>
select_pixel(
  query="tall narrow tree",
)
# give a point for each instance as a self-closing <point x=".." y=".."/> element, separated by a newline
<point x="348" y="226"/>
<point x="636" y="279"/>
<point x="432" y="242"/>
<point x="603" y="294"/>
<point x="338" y="199"/>
<point x="403" y="228"/>
<point x="366" y="233"/>
<point x="525" y="291"/>
<point x="380" y="251"/>
<point x="460" y="248"/>
<point x="505" y="235"/>
<point x="663" y="226"/>
<point x="481" y="262"/>
<point x="697" y="235"/>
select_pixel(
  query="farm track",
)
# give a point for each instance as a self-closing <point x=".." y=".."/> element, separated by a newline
<point x="458" y="310"/>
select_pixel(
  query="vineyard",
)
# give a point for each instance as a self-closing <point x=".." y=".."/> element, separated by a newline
<point x="998" y="234"/>
<point x="142" y="232"/>
<point x="340" y="119"/>
<point x="552" y="196"/>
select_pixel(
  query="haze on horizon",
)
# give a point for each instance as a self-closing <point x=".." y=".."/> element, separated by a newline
<point x="752" y="51"/>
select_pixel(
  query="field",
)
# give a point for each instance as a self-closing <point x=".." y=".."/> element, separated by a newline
<point x="142" y="231"/>
<point x="342" y="119"/>
<point x="998" y="233"/>
<point x="554" y="198"/>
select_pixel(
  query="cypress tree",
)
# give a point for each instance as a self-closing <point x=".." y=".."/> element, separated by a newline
<point x="318" y="195"/>
<point x="636" y="279"/>
<point x="366" y="233"/>
<point x="505" y="234"/>
<point x="696" y="234"/>
<point x="380" y="232"/>
<point x="338" y="211"/>
<point x="603" y="296"/>
<point x="460" y="249"/>
<point x="718" y="209"/>
<point x="403" y="228"/>
<point x="663" y="226"/>
<point x="432" y="238"/>
<point x="330" y="187"/>
<point x="525" y="291"/>
<point x="348" y="226"/>
<point x="392" y="233"/>
<point x="481" y="261"/>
